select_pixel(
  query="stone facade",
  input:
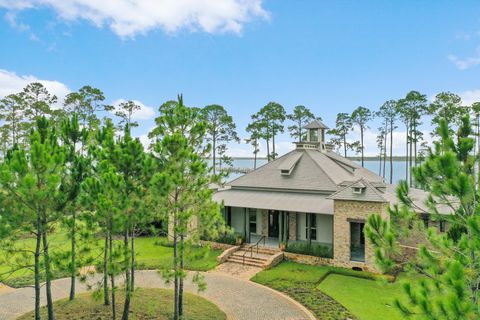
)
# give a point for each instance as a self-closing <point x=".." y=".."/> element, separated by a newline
<point x="264" y="223"/>
<point x="344" y="213"/>
<point x="292" y="226"/>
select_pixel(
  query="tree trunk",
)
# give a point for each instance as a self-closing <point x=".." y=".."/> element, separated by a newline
<point x="385" y="149"/>
<point x="112" y="278"/>
<point x="132" y="267"/>
<point x="391" y="150"/>
<point x="126" y="306"/>
<point x="345" y="145"/>
<point x="410" y="157"/>
<point x="180" y="286"/>
<point x="273" y="146"/>
<point x="214" y="152"/>
<point x="175" y="269"/>
<point x="74" y="256"/>
<point x="268" y="149"/>
<point x="361" y="142"/>
<point x="48" y="271"/>
<point x="255" y="156"/>
<point x="105" y="271"/>
<point x="406" y="154"/>
<point x="37" y="269"/>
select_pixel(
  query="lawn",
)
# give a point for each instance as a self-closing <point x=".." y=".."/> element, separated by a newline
<point x="152" y="253"/>
<point x="366" y="299"/>
<point x="330" y="295"/>
<point x="300" y="282"/>
<point x="146" y="304"/>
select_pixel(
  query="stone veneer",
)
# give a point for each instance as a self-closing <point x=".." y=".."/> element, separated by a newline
<point x="343" y="212"/>
<point x="265" y="223"/>
<point x="292" y="226"/>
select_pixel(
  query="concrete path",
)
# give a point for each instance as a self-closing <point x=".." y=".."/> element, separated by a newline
<point x="240" y="299"/>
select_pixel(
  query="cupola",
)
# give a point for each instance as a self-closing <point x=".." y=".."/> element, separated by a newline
<point x="313" y="136"/>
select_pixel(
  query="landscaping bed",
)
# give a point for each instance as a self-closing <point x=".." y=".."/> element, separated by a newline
<point x="336" y="293"/>
<point x="146" y="304"/>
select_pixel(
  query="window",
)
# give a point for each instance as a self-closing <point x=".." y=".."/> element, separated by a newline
<point x="252" y="220"/>
<point x="312" y="223"/>
<point x="357" y="190"/>
<point x="442" y="226"/>
<point x="313" y="135"/>
<point x="425" y="220"/>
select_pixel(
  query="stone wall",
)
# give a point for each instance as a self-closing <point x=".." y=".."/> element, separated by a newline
<point x="344" y="212"/>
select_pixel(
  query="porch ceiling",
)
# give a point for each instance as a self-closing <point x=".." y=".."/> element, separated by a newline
<point x="283" y="201"/>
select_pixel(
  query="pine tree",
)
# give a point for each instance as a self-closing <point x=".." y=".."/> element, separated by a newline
<point x="300" y="117"/>
<point x="183" y="183"/>
<point x="447" y="264"/>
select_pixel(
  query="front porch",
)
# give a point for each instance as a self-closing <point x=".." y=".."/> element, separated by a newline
<point x="274" y="227"/>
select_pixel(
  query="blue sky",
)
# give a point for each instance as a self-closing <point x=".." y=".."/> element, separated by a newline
<point x="330" y="56"/>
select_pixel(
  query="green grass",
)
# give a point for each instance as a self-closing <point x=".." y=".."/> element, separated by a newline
<point x="150" y="254"/>
<point x="336" y="293"/>
<point x="146" y="304"/>
<point x="366" y="299"/>
<point x="300" y="282"/>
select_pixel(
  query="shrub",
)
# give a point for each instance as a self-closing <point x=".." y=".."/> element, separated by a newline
<point x="227" y="238"/>
<point x="313" y="249"/>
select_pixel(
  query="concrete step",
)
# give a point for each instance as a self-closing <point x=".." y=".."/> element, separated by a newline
<point x="249" y="254"/>
<point x="248" y="261"/>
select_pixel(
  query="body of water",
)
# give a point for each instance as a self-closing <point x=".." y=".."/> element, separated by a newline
<point x="372" y="165"/>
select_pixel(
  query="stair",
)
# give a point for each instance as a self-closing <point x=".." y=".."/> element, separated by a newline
<point x="246" y="257"/>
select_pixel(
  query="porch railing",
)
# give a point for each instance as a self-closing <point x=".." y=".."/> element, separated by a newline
<point x="250" y="248"/>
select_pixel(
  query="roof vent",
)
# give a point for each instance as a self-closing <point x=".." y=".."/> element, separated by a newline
<point x="287" y="165"/>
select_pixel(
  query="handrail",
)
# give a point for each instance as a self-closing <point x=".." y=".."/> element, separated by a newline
<point x="250" y="248"/>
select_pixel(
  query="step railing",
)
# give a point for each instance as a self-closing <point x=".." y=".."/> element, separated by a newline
<point x="250" y="248"/>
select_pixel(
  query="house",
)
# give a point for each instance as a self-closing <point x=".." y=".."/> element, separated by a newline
<point x="313" y="195"/>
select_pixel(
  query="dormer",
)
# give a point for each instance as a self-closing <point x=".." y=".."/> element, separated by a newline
<point x="313" y="137"/>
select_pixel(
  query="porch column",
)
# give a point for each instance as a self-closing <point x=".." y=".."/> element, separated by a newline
<point x="246" y="224"/>
<point x="264" y="214"/>
<point x="292" y="226"/>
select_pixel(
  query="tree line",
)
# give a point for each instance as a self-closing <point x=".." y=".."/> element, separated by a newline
<point x="63" y="167"/>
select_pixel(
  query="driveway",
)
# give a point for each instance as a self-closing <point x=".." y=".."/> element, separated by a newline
<point x="240" y="299"/>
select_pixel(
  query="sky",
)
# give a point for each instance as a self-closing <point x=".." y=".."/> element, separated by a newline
<point x="331" y="56"/>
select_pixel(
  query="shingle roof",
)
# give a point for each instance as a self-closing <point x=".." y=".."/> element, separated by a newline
<point x="307" y="175"/>
<point x="270" y="200"/>
<point x="316" y="124"/>
<point x="312" y="170"/>
<point x="369" y="193"/>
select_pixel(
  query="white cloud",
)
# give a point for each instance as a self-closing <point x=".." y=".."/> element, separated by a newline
<point x="10" y="83"/>
<point x="144" y="113"/>
<point x="467" y="62"/>
<point x="128" y="18"/>
<point x="470" y="96"/>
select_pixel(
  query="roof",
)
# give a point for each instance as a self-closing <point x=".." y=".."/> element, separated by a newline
<point x="316" y="124"/>
<point x="311" y="170"/>
<point x="271" y="200"/>
<point x="369" y="193"/>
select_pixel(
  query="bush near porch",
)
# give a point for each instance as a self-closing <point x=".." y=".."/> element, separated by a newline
<point x="313" y="249"/>
<point x="336" y="293"/>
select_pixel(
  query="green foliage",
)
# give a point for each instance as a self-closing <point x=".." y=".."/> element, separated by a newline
<point x="220" y="130"/>
<point x="343" y="126"/>
<point x="270" y="121"/>
<point x="300" y="117"/>
<point x="312" y="249"/>
<point x="183" y="184"/>
<point x="448" y="261"/>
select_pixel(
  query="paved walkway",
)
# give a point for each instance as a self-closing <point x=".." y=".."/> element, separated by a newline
<point x="240" y="299"/>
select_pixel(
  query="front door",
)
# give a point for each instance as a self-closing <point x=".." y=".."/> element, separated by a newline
<point x="273" y="224"/>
